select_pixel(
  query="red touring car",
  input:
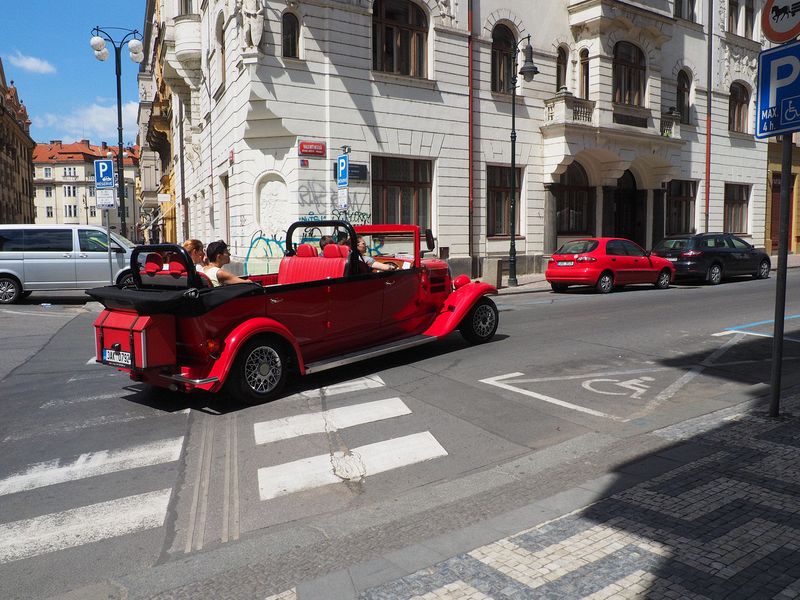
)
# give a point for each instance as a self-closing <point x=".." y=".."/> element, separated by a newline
<point x="320" y="310"/>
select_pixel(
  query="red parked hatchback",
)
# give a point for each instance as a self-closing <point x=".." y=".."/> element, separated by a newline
<point x="605" y="263"/>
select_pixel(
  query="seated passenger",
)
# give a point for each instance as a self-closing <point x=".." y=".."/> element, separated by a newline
<point x="196" y="253"/>
<point x="324" y="241"/>
<point x="371" y="262"/>
<point x="218" y="257"/>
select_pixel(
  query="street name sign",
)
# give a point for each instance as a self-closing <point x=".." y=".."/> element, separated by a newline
<point x="343" y="170"/>
<point x="104" y="174"/>
<point x="778" y="91"/>
<point x="780" y="20"/>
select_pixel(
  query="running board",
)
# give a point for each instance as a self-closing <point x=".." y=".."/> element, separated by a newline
<point x="372" y="352"/>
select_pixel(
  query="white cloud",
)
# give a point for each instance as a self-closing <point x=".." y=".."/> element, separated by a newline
<point x="95" y="122"/>
<point x="31" y="63"/>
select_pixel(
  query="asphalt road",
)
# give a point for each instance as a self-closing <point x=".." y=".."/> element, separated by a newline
<point x="129" y="490"/>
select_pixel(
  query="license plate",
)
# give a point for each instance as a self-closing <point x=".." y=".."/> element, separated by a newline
<point x="672" y="259"/>
<point x="116" y="357"/>
<point x="565" y="263"/>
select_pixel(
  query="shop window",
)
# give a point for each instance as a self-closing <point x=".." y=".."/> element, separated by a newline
<point x="291" y="36"/>
<point x="683" y="99"/>
<point x="399" y="38"/>
<point x="574" y="203"/>
<point x="628" y="74"/>
<point x="498" y="192"/>
<point x="735" y="215"/>
<point x="401" y="191"/>
<point x="503" y="47"/>
<point x="680" y="206"/>
<point x="737" y="108"/>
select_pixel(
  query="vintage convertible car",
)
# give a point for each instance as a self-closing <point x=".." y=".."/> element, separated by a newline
<point x="319" y="311"/>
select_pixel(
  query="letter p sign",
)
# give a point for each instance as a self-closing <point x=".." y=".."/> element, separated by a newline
<point x="783" y="72"/>
<point x="104" y="174"/>
<point x="343" y="170"/>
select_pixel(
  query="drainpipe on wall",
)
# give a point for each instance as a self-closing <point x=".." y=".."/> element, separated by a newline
<point x="709" y="56"/>
<point x="183" y="176"/>
<point x="470" y="171"/>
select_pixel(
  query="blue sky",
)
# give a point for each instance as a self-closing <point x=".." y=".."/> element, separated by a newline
<point x="69" y="94"/>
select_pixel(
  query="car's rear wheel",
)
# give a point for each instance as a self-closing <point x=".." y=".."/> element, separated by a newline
<point x="559" y="287"/>
<point x="480" y="324"/>
<point x="605" y="283"/>
<point x="763" y="270"/>
<point x="714" y="276"/>
<point x="664" y="279"/>
<point x="125" y="281"/>
<point x="10" y="290"/>
<point x="259" y="372"/>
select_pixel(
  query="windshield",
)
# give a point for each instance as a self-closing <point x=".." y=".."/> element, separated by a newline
<point x="577" y="247"/>
<point x="672" y="244"/>
<point x="122" y="241"/>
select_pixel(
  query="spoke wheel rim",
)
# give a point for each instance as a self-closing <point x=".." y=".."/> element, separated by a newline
<point x="262" y="369"/>
<point x="7" y="290"/>
<point x="716" y="274"/>
<point x="605" y="282"/>
<point x="764" y="270"/>
<point x="483" y="320"/>
<point x="664" y="280"/>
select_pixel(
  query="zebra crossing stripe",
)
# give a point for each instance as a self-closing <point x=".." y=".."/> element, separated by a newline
<point x="83" y="525"/>
<point x="91" y="464"/>
<point x="345" y="387"/>
<point x="360" y="462"/>
<point x="328" y="420"/>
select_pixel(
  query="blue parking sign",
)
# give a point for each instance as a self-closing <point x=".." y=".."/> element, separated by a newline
<point x="104" y="174"/>
<point x="343" y="170"/>
<point x="778" y="100"/>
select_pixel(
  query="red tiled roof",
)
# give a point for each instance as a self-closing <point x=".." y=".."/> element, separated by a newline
<point x="82" y="151"/>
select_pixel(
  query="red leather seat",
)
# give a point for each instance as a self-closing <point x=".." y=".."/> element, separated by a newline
<point x="306" y="250"/>
<point x="153" y="264"/>
<point x="335" y="251"/>
<point x="298" y="269"/>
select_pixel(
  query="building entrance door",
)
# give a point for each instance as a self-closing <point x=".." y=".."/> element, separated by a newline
<point x="630" y="210"/>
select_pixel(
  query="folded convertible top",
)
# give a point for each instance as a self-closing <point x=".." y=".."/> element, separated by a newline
<point x="189" y="302"/>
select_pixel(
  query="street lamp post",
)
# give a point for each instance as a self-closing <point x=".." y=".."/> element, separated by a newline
<point x="527" y="71"/>
<point x="98" y="43"/>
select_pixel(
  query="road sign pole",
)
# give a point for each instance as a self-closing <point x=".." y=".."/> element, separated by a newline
<point x="787" y="146"/>
<point x="108" y="243"/>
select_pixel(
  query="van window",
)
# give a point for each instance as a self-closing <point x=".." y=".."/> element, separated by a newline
<point x="91" y="240"/>
<point x="11" y="240"/>
<point x="48" y="240"/>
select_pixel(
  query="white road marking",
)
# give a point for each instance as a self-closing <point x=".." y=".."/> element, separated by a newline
<point x="496" y="381"/>
<point x="361" y="462"/>
<point x="345" y="387"/>
<point x="328" y="420"/>
<point x="638" y="386"/>
<point x="38" y="314"/>
<point x="92" y="361"/>
<point x="721" y="333"/>
<point x="66" y="401"/>
<point x="587" y="375"/>
<point x="92" y="464"/>
<point x="83" y="525"/>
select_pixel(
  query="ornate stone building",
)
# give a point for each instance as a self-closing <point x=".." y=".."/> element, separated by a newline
<point x="16" y="157"/>
<point x="256" y="98"/>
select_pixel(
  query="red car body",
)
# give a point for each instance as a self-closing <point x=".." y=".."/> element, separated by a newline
<point x="317" y="312"/>
<point x="606" y="263"/>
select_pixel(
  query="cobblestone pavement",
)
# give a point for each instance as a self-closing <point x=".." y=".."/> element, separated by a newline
<point x="723" y="526"/>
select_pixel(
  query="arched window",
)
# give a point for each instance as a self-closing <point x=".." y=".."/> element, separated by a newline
<point x="629" y="74"/>
<point x="220" y="43"/>
<point x="503" y="48"/>
<point x="737" y="108"/>
<point x="574" y="202"/>
<point x="561" y="69"/>
<point x="584" y="73"/>
<point x="684" y="87"/>
<point x="291" y="36"/>
<point x="399" y="38"/>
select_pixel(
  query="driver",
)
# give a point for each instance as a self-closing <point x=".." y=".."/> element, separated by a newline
<point x="371" y="262"/>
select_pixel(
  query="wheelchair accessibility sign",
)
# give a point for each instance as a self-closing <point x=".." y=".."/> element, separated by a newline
<point x="778" y="101"/>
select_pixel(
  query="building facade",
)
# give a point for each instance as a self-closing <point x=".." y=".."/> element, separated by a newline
<point x="16" y="157"/>
<point x="257" y="98"/>
<point x="64" y="187"/>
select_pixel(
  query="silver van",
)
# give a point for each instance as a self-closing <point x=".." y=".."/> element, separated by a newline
<point x="59" y="257"/>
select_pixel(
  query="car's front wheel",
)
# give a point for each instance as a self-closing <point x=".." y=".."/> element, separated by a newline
<point x="10" y="290"/>
<point x="664" y="279"/>
<point x="605" y="283"/>
<point x="714" y="274"/>
<point x="480" y="324"/>
<point x="259" y="372"/>
<point x="125" y="281"/>
<point x="763" y="270"/>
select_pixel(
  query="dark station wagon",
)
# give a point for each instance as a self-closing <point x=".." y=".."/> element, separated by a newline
<point x="319" y="311"/>
<point x="713" y="256"/>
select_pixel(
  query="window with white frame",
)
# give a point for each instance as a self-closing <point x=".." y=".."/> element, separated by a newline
<point x="92" y="211"/>
<point x="48" y="172"/>
<point x="737" y="197"/>
<point x="70" y="191"/>
<point x="584" y="56"/>
<point x="291" y="36"/>
<point x="48" y="191"/>
<point x="91" y="191"/>
<point x="70" y="210"/>
<point x="48" y="210"/>
<point x="69" y="172"/>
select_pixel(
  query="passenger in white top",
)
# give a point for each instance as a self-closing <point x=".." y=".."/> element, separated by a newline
<point x="219" y="256"/>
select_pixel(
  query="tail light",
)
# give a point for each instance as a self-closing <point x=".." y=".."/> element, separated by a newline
<point x="213" y="347"/>
<point x="690" y="253"/>
<point x="585" y="259"/>
<point x="551" y="260"/>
